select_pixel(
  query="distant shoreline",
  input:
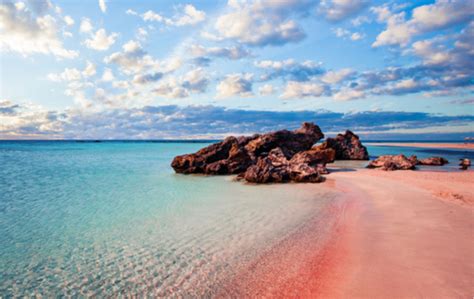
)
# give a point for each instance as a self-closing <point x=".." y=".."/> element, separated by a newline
<point x="424" y="144"/>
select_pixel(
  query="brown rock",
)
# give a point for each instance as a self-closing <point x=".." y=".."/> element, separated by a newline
<point x="234" y="155"/>
<point x="347" y="147"/>
<point x="464" y="163"/>
<point x="392" y="162"/>
<point x="433" y="161"/>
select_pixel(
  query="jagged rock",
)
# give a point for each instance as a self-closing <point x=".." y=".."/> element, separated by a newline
<point x="225" y="157"/>
<point x="276" y="168"/>
<point x="290" y="142"/>
<point x="464" y="163"/>
<point x="392" y="162"/>
<point x="234" y="155"/>
<point x="347" y="147"/>
<point x="433" y="161"/>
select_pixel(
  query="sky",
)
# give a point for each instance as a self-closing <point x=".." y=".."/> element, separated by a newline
<point x="149" y="69"/>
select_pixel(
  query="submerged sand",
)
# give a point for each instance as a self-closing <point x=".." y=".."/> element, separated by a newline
<point x="402" y="234"/>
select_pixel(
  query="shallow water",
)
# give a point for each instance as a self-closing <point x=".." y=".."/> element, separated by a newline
<point x="112" y="218"/>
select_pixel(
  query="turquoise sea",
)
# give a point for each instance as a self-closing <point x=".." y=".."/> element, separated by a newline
<point x="112" y="218"/>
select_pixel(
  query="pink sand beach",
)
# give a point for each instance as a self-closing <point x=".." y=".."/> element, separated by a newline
<point x="400" y="234"/>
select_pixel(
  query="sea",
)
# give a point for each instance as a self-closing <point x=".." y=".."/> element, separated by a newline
<point x="111" y="218"/>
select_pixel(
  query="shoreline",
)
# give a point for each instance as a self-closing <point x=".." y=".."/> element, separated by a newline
<point x="414" y="229"/>
<point x="469" y="146"/>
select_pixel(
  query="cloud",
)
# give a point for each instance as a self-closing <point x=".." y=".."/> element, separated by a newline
<point x="289" y="68"/>
<point x="266" y="90"/>
<point x="337" y="10"/>
<point x="68" y="20"/>
<point x="100" y="41"/>
<point x="333" y="77"/>
<point x="195" y="80"/>
<point x="424" y="19"/>
<point x="260" y="23"/>
<point x="73" y="74"/>
<point x="108" y="76"/>
<point x="233" y="53"/>
<point x="102" y="6"/>
<point x="189" y="16"/>
<point x="134" y="60"/>
<point x="232" y="85"/>
<point x="346" y="94"/>
<point x="170" y="89"/>
<point x="299" y="90"/>
<point x="344" y="33"/>
<point x="86" y="26"/>
<point x="31" y="30"/>
<point x="158" y="122"/>
<point x="90" y="69"/>
<point x="8" y="108"/>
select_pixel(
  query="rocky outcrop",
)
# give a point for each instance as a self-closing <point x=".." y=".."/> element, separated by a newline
<point x="392" y="162"/>
<point x="433" y="161"/>
<point x="235" y="155"/>
<point x="464" y="164"/>
<point x="306" y="166"/>
<point x="347" y="147"/>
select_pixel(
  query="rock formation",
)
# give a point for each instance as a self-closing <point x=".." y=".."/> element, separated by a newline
<point x="347" y="147"/>
<point x="235" y="154"/>
<point x="464" y="164"/>
<point x="433" y="161"/>
<point x="306" y="166"/>
<point x="392" y="162"/>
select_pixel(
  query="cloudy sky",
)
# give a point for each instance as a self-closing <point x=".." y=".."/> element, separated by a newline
<point x="205" y="69"/>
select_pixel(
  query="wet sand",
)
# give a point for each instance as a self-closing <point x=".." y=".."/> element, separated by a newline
<point x="402" y="234"/>
<point x="425" y="145"/>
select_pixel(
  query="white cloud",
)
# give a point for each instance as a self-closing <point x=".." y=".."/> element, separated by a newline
<point x="424" y="19"/>
<point x="348" y="94"/>
<point x="344" y="33"/>
<point x="266" y="89"/>
<point x="234" y="53"/>
<point x="235" y="85"/>
<point x="189" y="16"/>
<point x="295" y="90"/>
<point x="102" y="6"/>
<point x="131" y="12"/>
<point x="108" y="76"/>
<point x="68" y="20"/>
<point x="86" y="26"/>
<point x="100" y="41"/>
<point x="69" y="74"/>
<point x="333" y="77"/>
<point x="73" y="74"/>
<point x="30" y="30"/>
<point x="260" y="23"/>
<point x="195" y="80"/>
<point x="170" y="89"/>
<point x="356" y="36"/>
<point x="134" y="60"/>
<point x="90" y="70"/>
<point x="337" y="10"/>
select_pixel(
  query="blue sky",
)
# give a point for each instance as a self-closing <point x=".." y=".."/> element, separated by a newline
<point x="143" y="69"/>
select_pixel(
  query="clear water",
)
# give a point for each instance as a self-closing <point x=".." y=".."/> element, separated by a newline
<point x="112" y="218"/>
<point x="104" y="219"/>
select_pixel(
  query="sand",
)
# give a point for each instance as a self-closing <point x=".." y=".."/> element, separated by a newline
<point x="425" y="145"/>
<point x="402" y="234"/>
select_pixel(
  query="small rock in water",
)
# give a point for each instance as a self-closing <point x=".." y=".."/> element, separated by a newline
<point x="392" y="162"/>
<point x="464" y="163"/>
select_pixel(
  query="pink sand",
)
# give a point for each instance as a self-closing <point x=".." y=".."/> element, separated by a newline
<point x="402" y="234"/>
